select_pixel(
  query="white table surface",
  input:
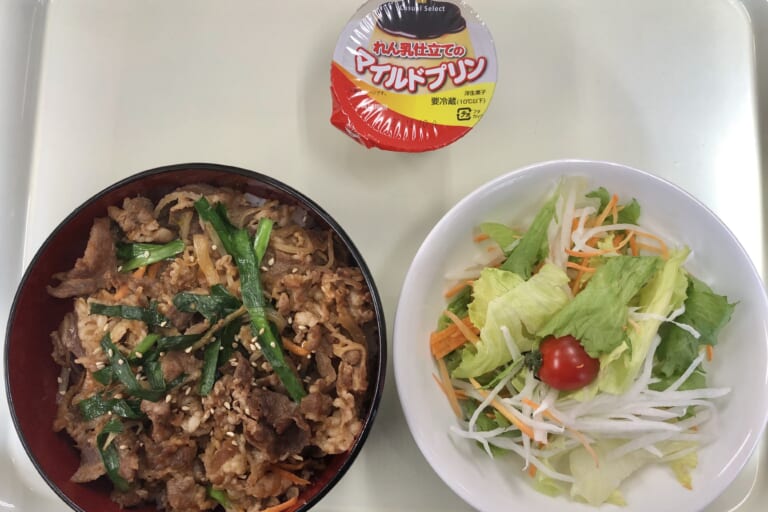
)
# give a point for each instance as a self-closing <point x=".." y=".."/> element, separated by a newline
<point x="92" y="91"/>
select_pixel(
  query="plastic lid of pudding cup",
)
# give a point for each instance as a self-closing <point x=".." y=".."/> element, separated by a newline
<point x="412" y="75"/>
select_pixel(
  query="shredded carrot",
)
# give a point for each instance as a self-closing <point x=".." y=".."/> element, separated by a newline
<point x="480" y="237"/>
<point x="122" y="292"/>
<point x="583" y="268"/>
<point x="525" y="429"/>
<point x="444" y="342"/>
<point x="578" y="435"/>
<point x="139" y="272"/>
<point x="290" y="476"/>
<point x="710" y="352"/>
<point x="653" y="248"/>
<point x="607" y="210"/>
<point x="153" y="270"/>
<point x="531" y="470"/>
<point x="633" y="247"/>
<point x="617" y="240"/>
<point x="281" y="507"/>
<point x="453" y="290"/>
<point x="662" y="245"/>
<point x="445" y="383"/>
<point x="615" y="212"/>
<point x="294" y="348"/>
<point x="459" y="323"/>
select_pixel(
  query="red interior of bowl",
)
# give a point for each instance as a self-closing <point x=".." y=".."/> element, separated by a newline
<point x="32" y="373"/>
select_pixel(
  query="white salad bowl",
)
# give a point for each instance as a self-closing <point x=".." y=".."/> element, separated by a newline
<point x="740" y="362"/>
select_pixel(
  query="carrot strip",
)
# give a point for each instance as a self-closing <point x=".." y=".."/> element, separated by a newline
<point x="280" y="507"/>
<point x="633" y="247"/>
<point x="453" y="290"/>
<point x="578" y="435"/>
<point x="458" y="322"/>
<point x="710" y="352"/>
<point x="139" y="272"/>
<point x="290" y="476"/>
<point x="525" y="429"/>
<point x="294" y="348"/>
<point x="480" y="237"/>
<point x="121" y="292"/>
<point x="445" y="384"/>
<point x="607" y="210"/>
<point x="661" y="250"/>
<point x="153" y="270"/>
<point x="290" y="466"/>
<point x="532" y="470"/>
<point x="583" y="268"/>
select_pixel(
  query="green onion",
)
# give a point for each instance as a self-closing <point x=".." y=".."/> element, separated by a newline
<point x="150" y="315"/>
<point x="261" y="239"/>
<point x="210" y="364"/>
<point x="218" y="304"/>
<point x="96" y="406"/>
<point x="227" y="337"/>
<point x="122" y="371"/>
<point x="143" y="346"/>
<point x="219" y="495"/>
<point x="180" y="342"/>
<point x="139" y="254"/>
<point x="104" y="376"/>
<point x="154" y="372"/>
<point x="110" y="455"/>
<point x="238" y="244"/>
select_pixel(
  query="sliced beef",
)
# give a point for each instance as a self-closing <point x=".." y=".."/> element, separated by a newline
<point x="97" y="268"/>
<point x="177" y="362"/>
<point x="186" y="495"/>
<point x="66" y="342"/>
<point x="137" y="220"/>
<point x="159" y="413"/>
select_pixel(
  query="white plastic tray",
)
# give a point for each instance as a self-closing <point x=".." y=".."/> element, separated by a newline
<point x="92" y="91"/>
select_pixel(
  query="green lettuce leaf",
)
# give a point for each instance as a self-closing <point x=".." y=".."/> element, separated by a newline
<point x="705" y="311"/>
<point x="492" y="283"/>
<point x="598" y="315"/>
<point x="664" y="293"/>
<point x="598" y="484"/>
<point x="457" y="306"/>
<point x="629" y="213"/>
<point x="533" y="246"/>
<point x="502" y="234"/>
<point x="522" y="309"/>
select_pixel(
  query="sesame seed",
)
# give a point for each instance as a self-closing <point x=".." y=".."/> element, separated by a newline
<point x="253" y="363"/>
<point x="109" y="413"/>
<point x="121" y="361"/>
<point x="62" y="392"/>
<point x="110" y="353"/>
<point x="119" y="396"/>
<point x="234" y="345"/>
<point x="212" y="411"/>
<point x="234" y="443"/>
<point x="221" y="347"/>
<point x="252" y="346"/>
<point x="187" y="390"/>
<point x="272" y="344"/>
<point x="298" y="367"/>
<point x="163" y="323"/>
<point x="233" y="361"/>
<point x="297" y="456"/>
<point x="168" y="399"/>
<point x="303" y="327"/>
<point x="162" y="354"/>
<point x="294" y="270"/>
<point x="271" y="261"/>
<point x="227" y="406"/>
<point x="184" y="408"/>
<point x="264" y="269"/>
<point x="100" y="365"/>
<point x="119" y="268"/>
<point x="146" y="254"/>
<point x="123" y="447"/>
<point x="258" y="346"/>
<point x="213" y="247"/>
<point x="290" y="320"/>
<point x="231" y="434"/>
<point x="247" y="411"/>
<point x="138" y="355"/>
<point x="105" y="328"/>
<point x="59" y="380"/>
<point x="309" y="356"/>
<point x="188" y="350"/>
<point x="261" y="331"/>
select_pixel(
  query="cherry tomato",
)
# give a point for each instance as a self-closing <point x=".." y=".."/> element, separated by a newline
<point x="565" y="365"/>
